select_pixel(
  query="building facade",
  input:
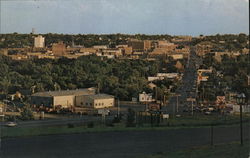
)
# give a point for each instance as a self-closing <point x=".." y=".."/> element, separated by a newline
<point x="96" y="101"/>
<point x="39" y="42"/>
<point x="65" y="99"/>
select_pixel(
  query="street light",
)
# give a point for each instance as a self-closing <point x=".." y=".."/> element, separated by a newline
<point x="240" y="99"/>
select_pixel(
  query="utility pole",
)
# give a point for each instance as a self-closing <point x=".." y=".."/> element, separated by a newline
<point x="241" y="134"/>
<point x="212" y="135"/>
<point x="118" y="107"/>
<point x="177" y="102"/>
<point x="192" y="108"/>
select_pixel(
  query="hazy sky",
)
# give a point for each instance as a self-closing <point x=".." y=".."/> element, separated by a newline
<point x="174" y="17"/>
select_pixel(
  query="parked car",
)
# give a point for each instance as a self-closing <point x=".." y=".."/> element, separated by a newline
<point x="207" y="113"/>
<point x="11" y="124"/>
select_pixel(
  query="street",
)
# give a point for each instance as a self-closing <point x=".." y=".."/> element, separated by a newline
<point x="126" y="144"/>
<point x="187" y="89"/>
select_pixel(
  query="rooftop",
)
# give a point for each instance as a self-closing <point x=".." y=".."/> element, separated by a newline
<point x="100" y="96"/>
<point x="77" y="92"/>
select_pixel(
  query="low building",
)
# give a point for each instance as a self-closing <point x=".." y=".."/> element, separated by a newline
<point x="96" y="101"/>
<point x="245" y="108"/>
<point x="176" y="56"/>
<point x="154" y="78"/>
<point x="100" y="47"/>
<point x="168" y="75"/>
<point x="144" y="97"/>
<point x="65" y="98"/>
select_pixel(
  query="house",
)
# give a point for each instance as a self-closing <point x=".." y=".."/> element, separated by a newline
<point x="176" y="56"/>
<point x="144" y="97"/>
<point x="151" y="85"/>
<point x="96" y="101"/>
<point x="64" y="98"/>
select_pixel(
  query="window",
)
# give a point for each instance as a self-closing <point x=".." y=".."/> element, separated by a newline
<point x="90" y="104"/>
<point x="86" y="104"/>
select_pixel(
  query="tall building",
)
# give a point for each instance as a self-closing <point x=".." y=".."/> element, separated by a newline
<point x="59" y="49"/>
<point x="147" y="45"/>
<point x="39" y="42"/>
<point x="33" y="31"/>
<point x="137" y="45"/>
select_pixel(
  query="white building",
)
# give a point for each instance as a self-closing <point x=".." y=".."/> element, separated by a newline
<point x="168" y="75"/>
<point x="39" y="42"/>
<point x="96" y="101"/>
<point x="63" y="98"/>
<point x="144" y="97"/>
<point x="153" y="78"/>
<point x="245" y="108"/>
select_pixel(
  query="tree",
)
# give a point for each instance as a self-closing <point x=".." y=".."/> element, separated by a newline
<point x="27" y="113"/>
<point x="130" y="118"/>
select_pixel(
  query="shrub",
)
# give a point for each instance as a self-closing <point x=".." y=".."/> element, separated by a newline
<point x="130" y="118"/>
<point x="90" y="125"/>
<point x="27" y="113"/>
<point x="70" y="125"/>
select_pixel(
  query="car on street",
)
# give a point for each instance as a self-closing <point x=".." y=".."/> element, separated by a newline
<point x="11" y="124"/>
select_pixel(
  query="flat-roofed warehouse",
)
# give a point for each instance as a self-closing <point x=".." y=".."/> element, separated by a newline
<point x="64" y="98"/>
<point x="95" y="101"/>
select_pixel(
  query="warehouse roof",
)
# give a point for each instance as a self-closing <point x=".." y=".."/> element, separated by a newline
<point x="100" y="96"/>
<point x="77" y="92"/>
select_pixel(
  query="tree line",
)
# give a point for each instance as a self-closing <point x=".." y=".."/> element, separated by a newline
<point x="122" y="78"/>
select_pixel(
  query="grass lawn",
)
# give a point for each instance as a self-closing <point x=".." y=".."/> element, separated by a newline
<point x="177" y="123"/>
<point x="49" y="130"/>
<point x="232" y="150"/>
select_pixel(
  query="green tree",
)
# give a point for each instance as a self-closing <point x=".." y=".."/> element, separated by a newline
<point x="27" y="113"/>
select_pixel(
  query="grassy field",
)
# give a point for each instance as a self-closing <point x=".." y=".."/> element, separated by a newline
<point x="177" y="123"/>
<point x="34" y="131"/>
<point x="232" y="150"/>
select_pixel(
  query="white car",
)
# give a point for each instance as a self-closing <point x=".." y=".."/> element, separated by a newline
<point x="11" y="124"/>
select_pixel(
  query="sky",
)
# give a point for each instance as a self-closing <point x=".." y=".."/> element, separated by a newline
<point x="173" y="17"/>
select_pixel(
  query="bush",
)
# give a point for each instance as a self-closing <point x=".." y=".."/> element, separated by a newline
<point x="27" y="113"/>
<point x="90" y="125"/>
<point x="109" y="124"/>
<point x="70" y="125"/>
<point x="130" y="118"/>
<point x="117" y="119"/>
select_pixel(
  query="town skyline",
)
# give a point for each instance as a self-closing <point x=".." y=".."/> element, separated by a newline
<point x="128" y="17"/>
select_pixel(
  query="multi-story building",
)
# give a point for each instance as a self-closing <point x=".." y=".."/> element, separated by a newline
<point x="137" y="45"/>
<point x="39" y="42"/>
<point x="59" y="49"/>
<point x="147" y="45"/>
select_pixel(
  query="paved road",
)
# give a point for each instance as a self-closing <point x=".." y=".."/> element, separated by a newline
<point x="55" y="122"/>
<point x="127" y="144"/>
<point x="188" y="87"/>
